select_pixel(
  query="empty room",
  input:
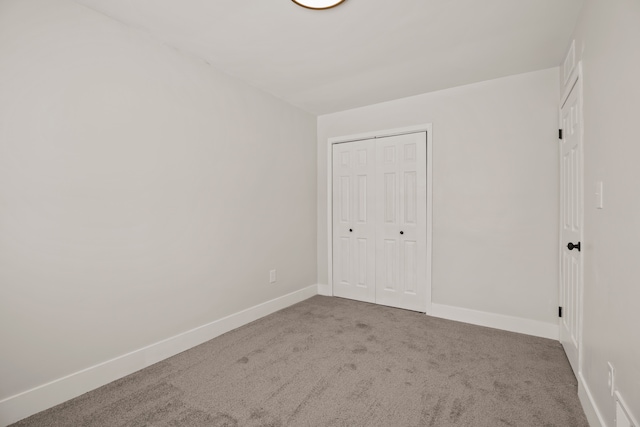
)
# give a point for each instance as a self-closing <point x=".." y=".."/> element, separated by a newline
<point x="319" y="213"/>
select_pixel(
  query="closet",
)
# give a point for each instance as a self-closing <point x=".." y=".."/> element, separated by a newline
<point x="380" y="220"/>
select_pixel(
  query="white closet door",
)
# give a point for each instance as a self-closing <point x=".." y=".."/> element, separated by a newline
<point x="354" y="220"/>
<point x="401" y="230"/>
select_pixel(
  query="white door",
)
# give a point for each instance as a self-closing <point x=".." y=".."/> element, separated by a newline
<point x="401" y="230"/>
<point x="354" y="220"/>
<point x="571" y="215"/>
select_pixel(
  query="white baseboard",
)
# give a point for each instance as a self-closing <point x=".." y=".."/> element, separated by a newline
<point x="325" y="290"/>
<point x="45" y="396"/>
<point x="497" y="321"/>
<point x="594" y="416"/>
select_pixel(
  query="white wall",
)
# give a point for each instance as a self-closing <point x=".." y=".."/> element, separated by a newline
<point x="142" y="193"/>
<point x="607" y="40"/>
<point x="495" y="190"/>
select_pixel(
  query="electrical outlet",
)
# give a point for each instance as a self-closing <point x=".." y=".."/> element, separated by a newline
<point x="612" y="378"/>
<point x="272" y="276"/>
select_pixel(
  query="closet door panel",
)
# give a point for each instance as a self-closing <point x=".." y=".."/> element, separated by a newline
<point x="354" y="220"/>
<point x="401" y="186"/>
<point x="341" y="217"/>
<point x="387" y="237"/>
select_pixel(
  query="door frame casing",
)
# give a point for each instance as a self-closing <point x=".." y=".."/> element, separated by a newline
<point x="574" y="82"/>
<point x="428" y="129"/>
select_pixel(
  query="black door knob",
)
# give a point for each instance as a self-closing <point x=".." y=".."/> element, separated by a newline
<point x="402" y="232"/>
<point x="351" y="230"/>
<point x="571" y="246"/>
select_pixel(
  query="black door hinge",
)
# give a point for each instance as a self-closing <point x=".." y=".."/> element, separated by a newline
<point x="559" y="311"/>
<point x="560" y="133"/>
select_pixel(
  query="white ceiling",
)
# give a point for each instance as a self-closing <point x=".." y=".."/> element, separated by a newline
<point x="362" y="52"/>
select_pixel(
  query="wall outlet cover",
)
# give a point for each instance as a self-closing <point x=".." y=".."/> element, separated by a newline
<point x="624" y="418"/>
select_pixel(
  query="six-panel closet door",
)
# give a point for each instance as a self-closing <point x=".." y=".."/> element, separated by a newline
<point x="379" y="221"/>
<point x="354" y="225"/>
<point x="401" y="228"/>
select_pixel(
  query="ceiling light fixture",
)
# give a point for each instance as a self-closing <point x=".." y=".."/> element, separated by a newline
<point x="318" y="4"/>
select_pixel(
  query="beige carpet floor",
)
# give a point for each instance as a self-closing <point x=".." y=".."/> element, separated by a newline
<point x="334" y="362"/>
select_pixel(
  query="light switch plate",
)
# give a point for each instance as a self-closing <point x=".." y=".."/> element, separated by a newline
<point x="611" y="382"/>
<point x="599" y="195"/>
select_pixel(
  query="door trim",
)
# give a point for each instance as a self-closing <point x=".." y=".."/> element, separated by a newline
<point x="428" y="128"/>
<point x="574" y="82"/>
